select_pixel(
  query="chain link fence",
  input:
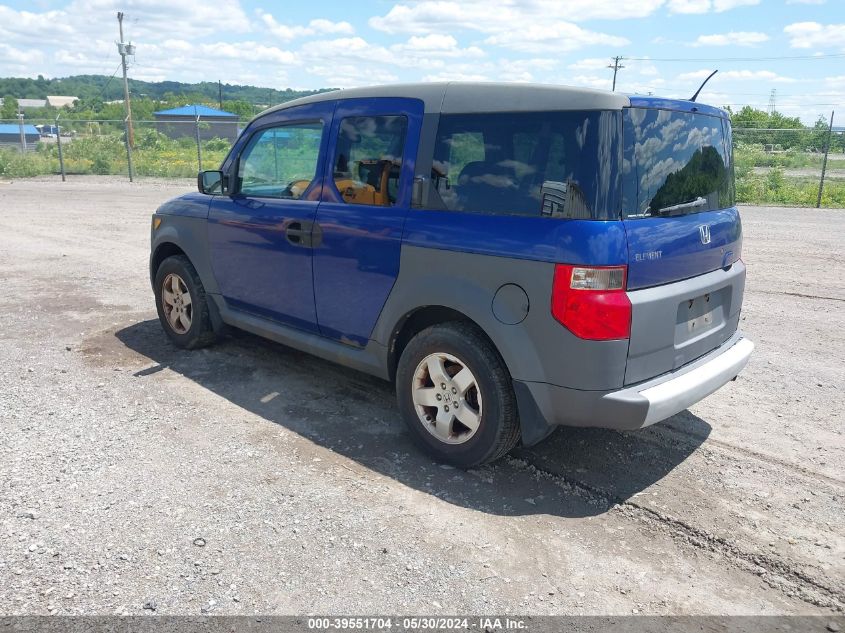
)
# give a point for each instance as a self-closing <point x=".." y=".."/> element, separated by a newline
<point x="169" y="148"/>
<point x="773" y="166"/>
<point x="803" y="166"/>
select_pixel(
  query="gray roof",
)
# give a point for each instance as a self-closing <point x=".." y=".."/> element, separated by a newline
<point x="454" y="97"/>
<point x="29" y="103"/>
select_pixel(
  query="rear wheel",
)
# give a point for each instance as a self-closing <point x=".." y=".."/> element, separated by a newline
<point x="182" y="304"/>
<point x="455" y="396"/>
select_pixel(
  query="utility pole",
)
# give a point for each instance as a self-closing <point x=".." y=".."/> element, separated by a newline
<point x="824" y="163"/>
<point x="59" y="143"/>
<point x="125" y="50"/>
<point x="616" y="66"/>
<point x="23" y="134"/>
<point x="220" y="94"/>
<point x="199" y="141"/>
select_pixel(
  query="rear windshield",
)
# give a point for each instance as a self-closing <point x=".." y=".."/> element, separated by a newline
<point x="544" y="164"/>
<point x="675" y="163"/>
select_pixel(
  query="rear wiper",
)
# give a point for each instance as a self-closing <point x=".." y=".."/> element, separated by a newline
<point x="692" y="204"/>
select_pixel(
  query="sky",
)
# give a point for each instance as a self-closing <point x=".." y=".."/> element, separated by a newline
<point x="326" y="43"/>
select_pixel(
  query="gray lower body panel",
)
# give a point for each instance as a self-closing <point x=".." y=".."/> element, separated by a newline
<point x="371" y="359"/>
<point x="638" y="405"/>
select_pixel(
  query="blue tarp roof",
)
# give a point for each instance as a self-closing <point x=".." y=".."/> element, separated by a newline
<point x="194" y="110"/>
<point x="14" y="128"/>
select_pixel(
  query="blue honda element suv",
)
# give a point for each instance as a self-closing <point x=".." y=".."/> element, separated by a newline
<point x="512" y="257"/>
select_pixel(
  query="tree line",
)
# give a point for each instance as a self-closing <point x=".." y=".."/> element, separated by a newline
<point x="774" y="130"/>
<point x="96" y="91"/>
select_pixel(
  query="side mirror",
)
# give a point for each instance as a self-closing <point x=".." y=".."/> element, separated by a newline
<point x="211" y="182"/>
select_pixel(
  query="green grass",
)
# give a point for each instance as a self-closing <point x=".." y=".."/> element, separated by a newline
<point x="158" y="155"/>
<point x="747" y="156"/>
<point x="154" y="155"/>
<point x="775" y="189"/>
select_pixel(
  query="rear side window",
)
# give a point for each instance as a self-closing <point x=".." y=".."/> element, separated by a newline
<point x="280" y="162"/>
<point x="544" y="164"/>
<point x="368" y="159"/>
<point x="675" y="163"/>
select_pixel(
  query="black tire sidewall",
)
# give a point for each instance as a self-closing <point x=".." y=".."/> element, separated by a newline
<point x="180" y="266"/>
<point x="444" y="339"/>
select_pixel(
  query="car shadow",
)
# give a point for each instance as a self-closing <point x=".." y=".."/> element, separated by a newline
<point x="573" y="473"/>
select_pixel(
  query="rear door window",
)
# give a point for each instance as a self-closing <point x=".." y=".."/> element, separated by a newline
<point x="675" y="163"/>
<point x="545" y="164"/>
<point x="368" y="159"/>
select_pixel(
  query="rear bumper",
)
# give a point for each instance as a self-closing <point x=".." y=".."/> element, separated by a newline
<point x="636" y="406"/>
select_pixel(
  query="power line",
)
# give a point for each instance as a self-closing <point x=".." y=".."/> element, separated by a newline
<point x="731" y="59"/>
<point x="783" y="105"/>
<point x="108" y="81"/>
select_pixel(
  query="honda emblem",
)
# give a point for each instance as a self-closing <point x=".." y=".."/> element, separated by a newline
<point x="704" y="232"/>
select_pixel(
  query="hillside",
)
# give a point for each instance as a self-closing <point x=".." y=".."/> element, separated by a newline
<point x="102" y="87"/>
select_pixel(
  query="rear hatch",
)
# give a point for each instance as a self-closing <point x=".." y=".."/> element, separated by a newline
<point x="684" y="234"/>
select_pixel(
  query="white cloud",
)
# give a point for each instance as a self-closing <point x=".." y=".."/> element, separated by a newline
<point x="427" y="16"/>
<point x="740" y="75"/>
<point x="531" y="26"/>
<point x="815" y="35"/>
<point x="246" y="51"/>
<point x="705" y="6"/>
<point x="734" y="38"/>
<point x="726" y="5"/>
<point x="435" y="41"/>
<point x="456" y="76"/>
<point x="600" y="82"/>
<point x="525" y="69"/>
<point x="435" y="45"/>
<point x="557" y="36"/>
<point x="689" y="6"/>
<point x="20" y="57"/>
<point x="150" y="19"/>
<point x="591" y="63"/>
<point x="80" y="36"/>
<point x="321" y="25"/>
<point x="315" y="27"/>
<point x="343" y="75"/>
<point x="356" y="52"/>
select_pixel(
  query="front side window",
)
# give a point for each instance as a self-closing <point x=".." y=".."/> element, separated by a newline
<point x="368" y="159"/>
<point x="546" y="164"/>
<point x="675" y="163"/>
<point x="280" y="162"/>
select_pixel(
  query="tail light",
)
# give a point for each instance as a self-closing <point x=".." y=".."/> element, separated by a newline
<point x="591" y="302"/>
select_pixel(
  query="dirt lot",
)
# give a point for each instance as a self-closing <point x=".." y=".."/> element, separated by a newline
<point x="249" y="478"/>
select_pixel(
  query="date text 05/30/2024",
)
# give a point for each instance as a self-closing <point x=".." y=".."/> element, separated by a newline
<point x="416" y="624"/>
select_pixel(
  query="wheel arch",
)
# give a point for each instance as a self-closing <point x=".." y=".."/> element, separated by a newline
<point x="161" y="252"/>
<point x="415" y="321"/>
<point x="187" y="236"/>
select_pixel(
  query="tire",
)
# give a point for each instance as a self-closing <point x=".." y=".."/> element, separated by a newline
<point x="489" y="405"/>
<point x="186" y="322"/>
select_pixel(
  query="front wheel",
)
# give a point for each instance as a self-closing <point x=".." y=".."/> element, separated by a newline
<point x="182" y="304"/>
<point x="455" y="396"/>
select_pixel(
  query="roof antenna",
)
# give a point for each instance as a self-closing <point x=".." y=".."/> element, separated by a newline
<point x="695" y="96"/>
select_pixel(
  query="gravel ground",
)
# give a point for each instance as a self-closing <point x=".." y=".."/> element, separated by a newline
<point x="252" y="479"/>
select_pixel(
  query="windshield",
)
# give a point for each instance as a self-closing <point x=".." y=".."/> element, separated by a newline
<point x="675" y="163"/>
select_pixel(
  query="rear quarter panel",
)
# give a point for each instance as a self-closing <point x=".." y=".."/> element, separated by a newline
<point x="461" y="260"/>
